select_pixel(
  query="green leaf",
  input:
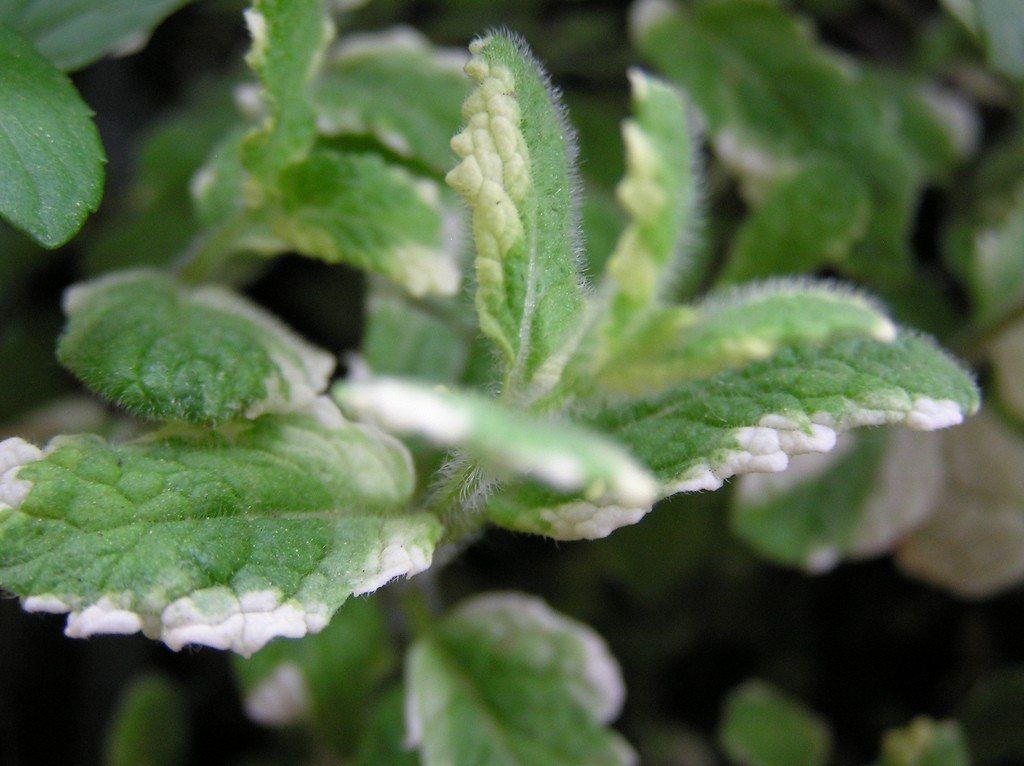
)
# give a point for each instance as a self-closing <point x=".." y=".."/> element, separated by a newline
<point x="73" y="33"/>
<point x="999" y="25"/>
<point x="397" y="88"/>
<point x="326" y="680"/>
<point x="925" y="742"/>
<point x="150" y="725"/>
<point x="51" y="159"/>
<point x="412" y="340"/>
<point x="223" y="538"/>
<point x="807" y="220"/>
<point x="383" y="742"/>
<point x="505" y="680"/>
<point x="763" y="727"/>
<point x="289" y="38"/>
<point x="751" y="419"/>
<point x="558" y="454"/>
<point x="775" y="101"/>
<point x="517" y="174"/>
<point x="854" y="502"/>
<point x="358" y="209"/>
<point x="659" y="193"/>
<point x="973" y="542"/>
<point x="734" y="327"/>
<point x="203" y="355"/>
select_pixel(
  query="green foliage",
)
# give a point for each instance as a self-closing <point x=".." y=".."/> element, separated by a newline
<point x="150" y="726"/>
<point x="73" y="34"/>
<point x="223" y="538"/>
<point x="504" y="679"/>
<point x="51" y="160"/>
<point x="507" y="373"/>
<point x="763" y="727"/>
<point x="517" y="174"/>
<point x="325" y="682"/>
<point x="925" y="743"/>
<point x="164" y="352"/>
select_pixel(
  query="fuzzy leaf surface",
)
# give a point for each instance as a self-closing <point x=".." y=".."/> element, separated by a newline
<point x="731" y="328"/>
<point x="201" y="355"/>
<point x="51" y="159"/>
<point x="195" y="536"/>
<point x="763" y="727"/>
<point x="751" y="419"/>
<point x="505" y="680"/>
<point x="73" y="33"/>
<point x="357" y="209"/>
<point x="559" y="454"/>
<point x="517" y="174"/>
<point x="659" y="193"/>
<point x="397" y="88"/>
<point x="289" y="38"/>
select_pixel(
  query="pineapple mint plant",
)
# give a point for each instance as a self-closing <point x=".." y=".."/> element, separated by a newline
<point x="244" y="495"/>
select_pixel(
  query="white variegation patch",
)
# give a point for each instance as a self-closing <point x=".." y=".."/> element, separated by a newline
<point x="281" y="699"/>
<point x="15" y="453"/>
<point x="405" y="408"/>
<point x="767" y="447"/>
<point x="405" y="554"/>
<point x="218" y="617"/>
<point x="580" y="520"/>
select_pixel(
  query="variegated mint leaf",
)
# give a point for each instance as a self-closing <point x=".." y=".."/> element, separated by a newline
<point x="973" y="543"/>
<point x="202" y="355"/>
<point x="659" y="193"/>
<point x="761" y="726"/>
<point x="325" y="682"/>
<point x="733" y="328"/>
<point x="751" y="419"/>
<point x="856" y="501"/>
<point x="223" y="538"/>
<point x="774" y="100"/>
<point x="518" y="175"/>
<point x="357" y="209"/>
<point x="397" y="88"/>
<point x="558" y="454"/>
<point x="289" y="38"/>
<point x="488" y="683"/>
